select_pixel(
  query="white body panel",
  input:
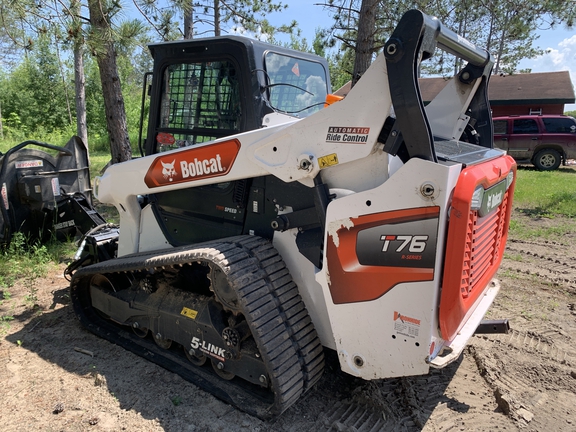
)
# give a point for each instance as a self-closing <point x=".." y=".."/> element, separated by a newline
<point x="151" y="236"/>
<point x="373" y="335"/>
<point x="446" y="113"/>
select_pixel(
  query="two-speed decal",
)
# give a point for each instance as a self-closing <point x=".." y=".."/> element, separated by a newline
<point x="192" y="164"/>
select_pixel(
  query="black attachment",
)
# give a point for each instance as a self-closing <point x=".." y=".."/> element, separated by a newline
<point x="45" y="194"/>
<point x="501" y="326"/>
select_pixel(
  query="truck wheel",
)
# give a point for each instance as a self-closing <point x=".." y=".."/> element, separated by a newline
<point x="547" y="160"/>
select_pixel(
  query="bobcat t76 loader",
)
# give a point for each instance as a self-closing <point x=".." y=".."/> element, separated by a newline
<point x="262" y="228"/>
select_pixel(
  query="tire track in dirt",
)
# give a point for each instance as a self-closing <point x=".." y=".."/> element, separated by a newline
<point x="554" y="262"/>
<point x="453" y="399"/>
<point x="530" y="377"/>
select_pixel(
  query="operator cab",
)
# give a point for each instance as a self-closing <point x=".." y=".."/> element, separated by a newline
<point x="213" y="88"/>
<point x="206" y="89"/>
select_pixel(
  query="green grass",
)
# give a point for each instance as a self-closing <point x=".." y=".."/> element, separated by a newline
<point x="546" y="193"/>
<point x="98" y="161"/>
<point x="23" y="260"/>
<point x="521" y="230"/>
<point x="542" y="195"/>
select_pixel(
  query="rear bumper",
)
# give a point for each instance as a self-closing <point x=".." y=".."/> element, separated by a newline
<point x="452" y="349"/>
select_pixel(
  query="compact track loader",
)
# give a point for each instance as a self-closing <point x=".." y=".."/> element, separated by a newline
<point x="262" y="228"/>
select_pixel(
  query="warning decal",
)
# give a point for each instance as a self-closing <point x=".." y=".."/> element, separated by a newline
<point x="405" y="325"/>
<point x="190" y="313"/>
<point x="328" y="160"/>
<point x="29" y="164"/>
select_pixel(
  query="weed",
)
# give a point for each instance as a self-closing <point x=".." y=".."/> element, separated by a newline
<point x="509" y="274"/>
<point x="5" y="321"/>
<point x="31" y="298"/>
<point x="176" y="400"/>
<point x="24" y="262"/>
<point x="557" y="232"/>
<point x="527" y="315"/>
<point x="513" y="257"/>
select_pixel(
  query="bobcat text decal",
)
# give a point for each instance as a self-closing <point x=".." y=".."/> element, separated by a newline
<point x="194" y="163"/>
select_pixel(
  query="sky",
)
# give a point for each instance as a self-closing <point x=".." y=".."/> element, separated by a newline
<point x="559" y="43"/>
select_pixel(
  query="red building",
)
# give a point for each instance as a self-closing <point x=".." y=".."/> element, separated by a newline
<point x="532" y="93"/>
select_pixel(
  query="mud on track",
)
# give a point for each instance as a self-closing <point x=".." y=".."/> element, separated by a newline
<point x="525" y="380"/>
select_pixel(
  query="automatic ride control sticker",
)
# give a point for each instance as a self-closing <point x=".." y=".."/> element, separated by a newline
<point x="5" y="197"/>
<point x="347" y="134"/>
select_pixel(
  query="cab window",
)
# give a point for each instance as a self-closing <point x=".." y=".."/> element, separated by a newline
<point x="297" y="87"/>
<point x="200" y="102"/>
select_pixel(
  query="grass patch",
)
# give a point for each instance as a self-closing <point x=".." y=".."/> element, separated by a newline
<point x="22" y="260"/>
<point x="98" y="161"/>
<point x="25" y="262"/>
<point x="546" y="193"/>
<point x="559" y="231"/>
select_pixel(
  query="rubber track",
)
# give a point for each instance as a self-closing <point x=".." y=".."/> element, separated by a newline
<point x="269" y="300"/>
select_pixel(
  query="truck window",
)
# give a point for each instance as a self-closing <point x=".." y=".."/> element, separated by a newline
<point x="200" y="102"/>
<point x="297" y="87"/>
<point x="559" y="125"/>
<point x="525" y="126"/>
<point x="500" y="127"/>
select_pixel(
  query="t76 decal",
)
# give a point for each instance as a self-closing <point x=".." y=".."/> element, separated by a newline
<point x="372" y="253"/>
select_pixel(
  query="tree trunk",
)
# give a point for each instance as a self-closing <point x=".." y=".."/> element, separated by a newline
<point x="189" y="23"/>
<point x="64" y="86"/>
<point x="216" y="17"/>
<point x="80" y="88"/>
<point x="79" y="77"/>
<point x="113" y="101"/>
<point x="364" y="39"/>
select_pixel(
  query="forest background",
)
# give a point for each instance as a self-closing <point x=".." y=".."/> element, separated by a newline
<point x="75" y="67"/>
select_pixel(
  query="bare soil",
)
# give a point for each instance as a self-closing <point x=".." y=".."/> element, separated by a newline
<point x="525" y="380"/>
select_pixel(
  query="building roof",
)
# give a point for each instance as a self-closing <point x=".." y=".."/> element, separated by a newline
<point x="544" y="87"/>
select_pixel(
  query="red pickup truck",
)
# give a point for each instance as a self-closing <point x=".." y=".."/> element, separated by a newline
<point x="544" y="140"/>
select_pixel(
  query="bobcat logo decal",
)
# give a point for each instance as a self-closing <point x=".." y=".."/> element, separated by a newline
<point x="197" y="163"/>
<point x="168" y="170"/>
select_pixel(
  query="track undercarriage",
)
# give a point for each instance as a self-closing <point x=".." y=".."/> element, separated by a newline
<point x="229" y="303"/>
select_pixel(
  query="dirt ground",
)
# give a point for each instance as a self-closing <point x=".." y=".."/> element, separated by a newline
<point x="525" y="380"/>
